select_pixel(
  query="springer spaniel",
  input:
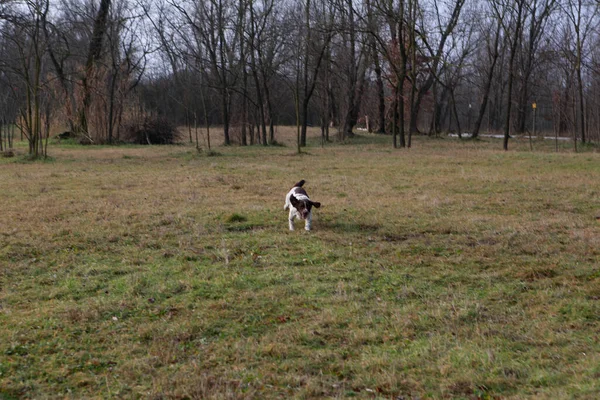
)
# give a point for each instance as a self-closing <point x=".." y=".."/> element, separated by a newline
<point x="300" y="205"/>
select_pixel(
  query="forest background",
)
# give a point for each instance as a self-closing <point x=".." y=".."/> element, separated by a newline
<point x="111" y="72"/>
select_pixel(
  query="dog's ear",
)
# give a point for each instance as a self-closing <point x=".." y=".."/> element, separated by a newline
<point x="316" y="204"/>
<point x="294" y="201"/>
<point x="299" y="184"/>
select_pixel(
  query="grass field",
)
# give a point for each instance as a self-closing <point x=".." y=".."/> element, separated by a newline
<point x="450" y="270"/>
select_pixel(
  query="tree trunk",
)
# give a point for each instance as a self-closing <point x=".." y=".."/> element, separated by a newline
<point x="225" y="111"/>
<point x="309" y="82"/>
<point x="354" y="75"/>
<point x="401" y="121"/>
<point x="244" y="121"/>
<point x="380" y="96"/>
<point x="94" y="54"/>
<point x="69" y="96"/>
<point x="374" y="28"/>
<point x="257" y="85"/>
<point x="513" y="52"/>
<point x="244" y="108"/>
<point x="395" y="118"/>
<point x="414" y="107"/>
<point x="580" y="95"/>
<point x="488" y="85"/>
<point x="436" y="111"/>
<point x="269" y="112"/>
<point x="455" y="112"/>
<point x="111" y="106"/>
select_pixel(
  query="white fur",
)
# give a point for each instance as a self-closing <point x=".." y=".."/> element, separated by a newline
<point x="294" y="213"/>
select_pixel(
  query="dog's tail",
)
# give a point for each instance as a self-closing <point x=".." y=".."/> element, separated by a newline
<point x="299" y="184"/>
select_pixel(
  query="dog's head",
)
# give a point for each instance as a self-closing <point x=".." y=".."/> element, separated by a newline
<point x="302" y="203"/>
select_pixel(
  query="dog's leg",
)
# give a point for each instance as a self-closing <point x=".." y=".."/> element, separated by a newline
<point x="308" y="223"/>
<point x="291" y="219"/>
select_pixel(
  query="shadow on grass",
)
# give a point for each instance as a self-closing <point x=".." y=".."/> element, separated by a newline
<point x="372" y="231"/>
<point x="239" y="223"/>
<point x="348" y="226"/>
<point x="243" y="227"/>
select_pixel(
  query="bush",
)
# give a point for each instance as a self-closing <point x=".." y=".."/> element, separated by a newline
<point x="153" y="130"/>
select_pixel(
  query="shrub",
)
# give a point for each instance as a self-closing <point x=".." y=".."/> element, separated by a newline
<point x="152" y="130"/>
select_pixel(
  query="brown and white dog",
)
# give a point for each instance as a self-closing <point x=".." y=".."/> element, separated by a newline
<point x="300" y="205"/>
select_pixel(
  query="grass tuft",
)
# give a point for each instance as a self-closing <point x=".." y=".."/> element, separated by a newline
<point x="235" y="217"/>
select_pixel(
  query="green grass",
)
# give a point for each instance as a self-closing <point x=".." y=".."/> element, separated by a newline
<point x="450" y="270"/>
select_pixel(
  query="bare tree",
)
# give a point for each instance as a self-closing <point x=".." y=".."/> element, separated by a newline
<point x="435" y="46"/>
<point x="224" y="61"/>
<point x="254" y="39"/>
<point x="93" y="58"/>
<point x="491" y="33"/>
<point x="212" y="23"/>
<point x="25" y="51"/>
<point x="455" y="72"/>
<point x="392" y="47"/>
<point x="126" y="64"/>
<point x="159" y="16"/>
<point x="373" y="28"/>
<point x="352" y="52"/>
<point x="314" y="39"/>
<point x="537" y="13"/>
<point x="582" y="17"/>
<point x="511" y="15"/>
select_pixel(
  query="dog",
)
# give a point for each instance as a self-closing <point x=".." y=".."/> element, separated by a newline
<point x="300" y="205"/>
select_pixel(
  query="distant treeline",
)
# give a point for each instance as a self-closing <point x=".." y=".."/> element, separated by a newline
<point x="400" y="67"/>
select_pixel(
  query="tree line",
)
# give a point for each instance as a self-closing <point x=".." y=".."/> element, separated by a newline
<point x="101" y="68"/>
